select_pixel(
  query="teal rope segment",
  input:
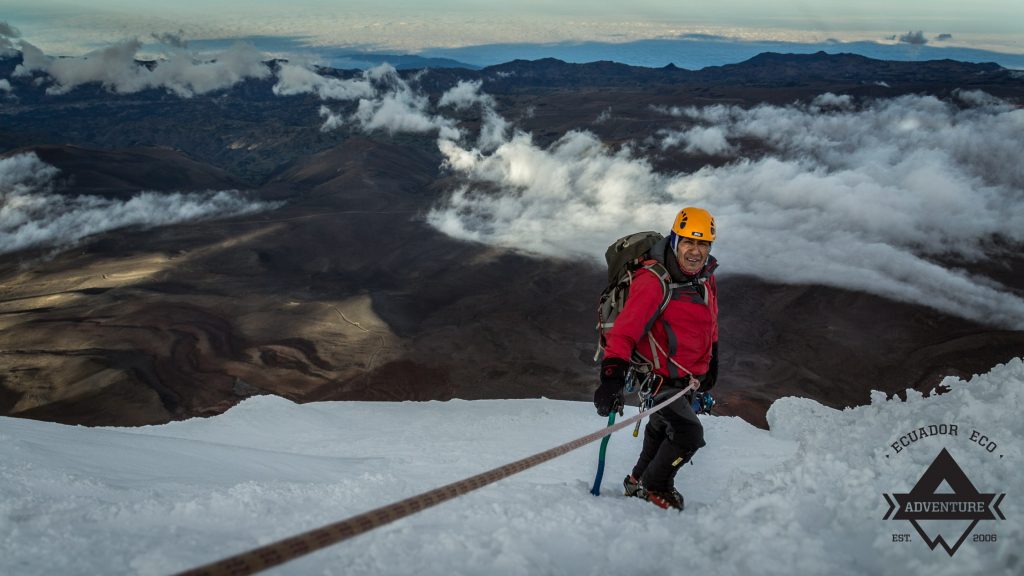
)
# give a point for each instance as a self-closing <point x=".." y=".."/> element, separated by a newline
<point x="596" y="488"/>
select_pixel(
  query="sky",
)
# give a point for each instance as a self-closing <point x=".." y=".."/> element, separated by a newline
<point x="411" y="27"/>
<point x="805" y="497"/>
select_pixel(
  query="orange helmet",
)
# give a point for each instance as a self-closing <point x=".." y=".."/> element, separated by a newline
<point x="695" y="223"/>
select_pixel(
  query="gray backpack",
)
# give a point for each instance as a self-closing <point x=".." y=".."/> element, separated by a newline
<point x="626" y="257"/>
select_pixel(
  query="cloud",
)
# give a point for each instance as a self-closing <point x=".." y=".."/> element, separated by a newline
<point x="709" y="140"/>
<point x="293" y="79"/>
<point x="915" y="38"/>
<point x="493" y="130"/>
<point x="465" y="94"/>
<point x="704" y="37"/>
<point x="387" y="102"/>
<point x="32" y="215"/>
<point x="867" y="197"/>
<point x="830" y="100"/>
<point x="23" y="174"/>
<point x="5" y="85"/>
<point x="115" y="68"/>
<point x="398" y="108"/>
<point x="8" y="34"/>
<point x="397" y="112"/>
<point x="332" y="121"/>
<point x="576" y="186"/>
<point x="976" y="97"/>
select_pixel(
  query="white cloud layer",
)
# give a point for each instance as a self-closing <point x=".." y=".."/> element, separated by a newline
<point x="32" y="215"/>
<point x="332" y="121"/>
<point x="398" y="108"/>
<point x="708" y="140"/>
<point x="465" y="95"/>
<point x="865" y="199"/>
<point x="179" y="71"/>
<point x="387" y="102"/>
<point x="295" y="79"/>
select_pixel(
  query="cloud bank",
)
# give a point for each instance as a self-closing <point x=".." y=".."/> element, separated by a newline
<point x="293" y="79"/>
<point x="32" y="215"/>
<point x="466" y="95"/>
<point x="182" y="72"/>
<point x="709" y="140"/>
<point x="866" y="198"/>
<point x="916" y="38"/>
<point x="386" y="101"/>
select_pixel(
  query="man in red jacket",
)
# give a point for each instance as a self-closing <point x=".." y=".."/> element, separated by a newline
<point x="679" y="343"/>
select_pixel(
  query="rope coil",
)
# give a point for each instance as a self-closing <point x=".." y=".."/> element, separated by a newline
<point x="282" y="551"/>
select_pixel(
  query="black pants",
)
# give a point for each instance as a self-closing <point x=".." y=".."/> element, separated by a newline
<point x="672" y="436"/>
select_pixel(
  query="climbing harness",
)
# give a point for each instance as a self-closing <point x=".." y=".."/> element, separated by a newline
<point x="649" y="388"/>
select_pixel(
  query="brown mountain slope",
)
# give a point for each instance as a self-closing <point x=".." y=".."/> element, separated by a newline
<point x="118" y="173"/>
<point x="345" y="293"/>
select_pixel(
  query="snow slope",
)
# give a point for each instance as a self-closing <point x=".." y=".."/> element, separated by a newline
<point x="804" y="498"/>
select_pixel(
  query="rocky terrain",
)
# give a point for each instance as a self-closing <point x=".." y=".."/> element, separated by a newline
<point x="345" y="292"/>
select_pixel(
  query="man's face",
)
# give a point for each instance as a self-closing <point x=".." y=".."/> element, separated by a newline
<point x="692" y="254"/>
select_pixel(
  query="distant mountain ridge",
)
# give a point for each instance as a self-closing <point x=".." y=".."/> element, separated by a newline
<point x="251" y="131"/>
<point x="695" y="52"/>
<point x="765" y="69"/>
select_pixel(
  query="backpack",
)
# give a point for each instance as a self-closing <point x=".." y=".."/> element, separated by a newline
<point x="625" y="257"/>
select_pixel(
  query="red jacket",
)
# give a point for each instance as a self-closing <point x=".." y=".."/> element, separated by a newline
<point x="685" y="331"/>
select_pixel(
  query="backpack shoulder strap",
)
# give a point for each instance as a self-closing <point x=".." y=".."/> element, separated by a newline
<point x="665" y="279"/>
<point x="659" y="270"/>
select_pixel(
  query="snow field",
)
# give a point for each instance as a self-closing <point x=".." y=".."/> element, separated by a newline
<point x="804" y="498"/>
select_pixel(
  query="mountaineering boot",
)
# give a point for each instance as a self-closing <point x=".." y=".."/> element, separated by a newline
<point x="633" y="489"/>
<point x="666" y="499"/>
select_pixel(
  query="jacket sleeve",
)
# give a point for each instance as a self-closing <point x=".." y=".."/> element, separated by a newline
<point x="633" y="322"/>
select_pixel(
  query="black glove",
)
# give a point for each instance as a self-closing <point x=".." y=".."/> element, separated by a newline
<point x="712" y="376"/>
<point x="608" y="396"/>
